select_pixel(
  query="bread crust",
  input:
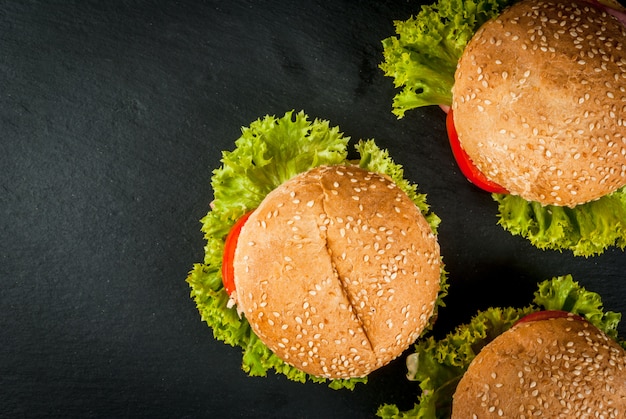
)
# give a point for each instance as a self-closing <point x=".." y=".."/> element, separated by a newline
<point x="337" y="271"/>
<point x="556" y="368"/>
<point x="539" y="101"/>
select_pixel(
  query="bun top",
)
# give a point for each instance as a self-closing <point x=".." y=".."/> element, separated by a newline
<point x="337" y="271"/>
<point x="556" y="368"/>
<point x="539" y="101"/>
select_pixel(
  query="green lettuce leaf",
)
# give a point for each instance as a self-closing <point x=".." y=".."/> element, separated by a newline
<point x="269" y="152"/>
<point x="438" y="365"/>
<point x="422" y="56"/>
<point x="586" y="230"/>
<point x="566" y="294"/>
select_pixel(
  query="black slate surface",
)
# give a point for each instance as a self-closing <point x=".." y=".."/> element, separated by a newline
<point x="113" y="116"/>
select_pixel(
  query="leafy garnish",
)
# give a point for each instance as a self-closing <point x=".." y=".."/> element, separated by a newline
<point x="586" y="230"/>
<point x="422" y="56"/>
<point x="438" y="365"/>
<point x="567" y="295"/>
<point x="269" y="152"/>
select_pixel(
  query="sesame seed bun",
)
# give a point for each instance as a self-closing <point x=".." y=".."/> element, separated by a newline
<point x="337" y="271"/>
<point x="556" y="368"/>
<point x="539" y="101"/>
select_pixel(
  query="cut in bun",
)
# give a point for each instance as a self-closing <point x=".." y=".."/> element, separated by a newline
<point x="539" y="101"/>
<point x="556" y="368"/>
<point x="337" y="271"/>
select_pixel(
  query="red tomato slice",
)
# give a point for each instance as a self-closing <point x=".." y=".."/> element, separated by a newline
<point x="546" y="315"/>
<point x="469" y="170"/>
<point x="228" y="275"/>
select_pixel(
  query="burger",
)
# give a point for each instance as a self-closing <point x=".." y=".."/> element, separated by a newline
<point x="318" y="266"/>
<point x="560" y="357"/>
<point x="559" y="366"/>
<point x="547" y="122"/>
<point x="337" y="271"/>
<point x="535" y="98"/>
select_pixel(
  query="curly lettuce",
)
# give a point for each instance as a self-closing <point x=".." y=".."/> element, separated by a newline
<point x="422" y="56"/>
<point x="586" y="230"/>
<point x="269" y="152"/>
<point x="438" y="365"/>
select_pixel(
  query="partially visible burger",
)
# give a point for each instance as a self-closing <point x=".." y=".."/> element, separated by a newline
<point x="539" y="101"/>
<point x="317" y="266"/>
<point x="555" y="366"/>
<point x="535" y="94"/>
<point x="560" y="358"/>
